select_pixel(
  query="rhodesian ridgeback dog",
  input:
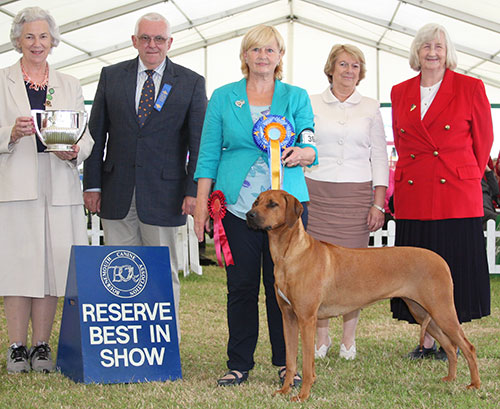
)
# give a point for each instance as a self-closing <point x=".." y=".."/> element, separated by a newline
<point x="314" y="279"/>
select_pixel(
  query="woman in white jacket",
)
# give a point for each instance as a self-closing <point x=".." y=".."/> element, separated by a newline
<point x="347" y="188"/>
<point x="41" y="203"/>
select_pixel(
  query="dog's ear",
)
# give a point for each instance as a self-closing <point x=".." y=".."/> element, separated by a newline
<point x="293" y="211"/>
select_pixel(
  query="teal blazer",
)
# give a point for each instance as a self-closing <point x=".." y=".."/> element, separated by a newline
<point x="227" y="149"/>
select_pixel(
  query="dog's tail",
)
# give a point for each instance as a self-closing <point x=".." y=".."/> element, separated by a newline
<point x="423" y="329"/>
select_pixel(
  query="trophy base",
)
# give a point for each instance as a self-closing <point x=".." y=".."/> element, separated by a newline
<point x="59" y="147"/>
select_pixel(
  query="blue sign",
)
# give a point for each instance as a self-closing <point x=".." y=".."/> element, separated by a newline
<point x="118" y="322"/>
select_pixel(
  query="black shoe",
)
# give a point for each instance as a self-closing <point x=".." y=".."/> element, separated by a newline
<point x="238" y="377"/>
<point x="440" y="355"/>
<point x="205" y="261"/>
<point x="297" y="379"/>
<point x="422" y="353"/>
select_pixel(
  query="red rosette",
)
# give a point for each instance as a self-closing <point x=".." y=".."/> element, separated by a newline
<point x="217" y="211"/>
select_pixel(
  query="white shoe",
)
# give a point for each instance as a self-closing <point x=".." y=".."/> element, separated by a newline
<point x="348" y="354"/>
<point x="321" y="352"/>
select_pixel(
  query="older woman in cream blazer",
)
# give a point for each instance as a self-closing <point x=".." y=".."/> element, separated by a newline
<point x="41" y="203"/>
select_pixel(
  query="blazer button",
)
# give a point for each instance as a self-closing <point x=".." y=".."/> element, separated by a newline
<point x="402" y="130"/>
<point x="447" y="127"/>
<point x="442" y="181"/>
<point x="435" y="153"/>
<point x="410" y="182"/>
<point x="412" y="156"/>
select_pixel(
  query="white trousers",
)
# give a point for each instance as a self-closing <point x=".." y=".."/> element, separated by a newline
<point x="130" y="231"/>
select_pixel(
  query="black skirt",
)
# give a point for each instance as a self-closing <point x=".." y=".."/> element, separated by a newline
<point x="461" y="243"/>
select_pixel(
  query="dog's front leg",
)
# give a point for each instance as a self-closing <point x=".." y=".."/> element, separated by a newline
<point x="307" y="331"/>
<point x="291" y="333"/>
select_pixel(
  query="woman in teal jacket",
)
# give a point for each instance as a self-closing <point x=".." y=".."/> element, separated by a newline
<point x="230" y="157"/>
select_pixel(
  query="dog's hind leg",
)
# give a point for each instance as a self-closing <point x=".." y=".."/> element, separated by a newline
<point x="448" y="323"/>
<point x="445" y="327"/>
<point x="421" y="316"/>
<point x="423" y="329"/>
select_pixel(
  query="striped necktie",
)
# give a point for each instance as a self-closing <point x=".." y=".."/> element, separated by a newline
<point x="147" y="98"/>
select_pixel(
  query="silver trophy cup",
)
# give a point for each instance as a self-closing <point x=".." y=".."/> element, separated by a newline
<point x="59" y="129"/>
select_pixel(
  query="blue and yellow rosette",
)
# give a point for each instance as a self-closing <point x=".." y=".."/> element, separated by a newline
<point x="272" y="134"/>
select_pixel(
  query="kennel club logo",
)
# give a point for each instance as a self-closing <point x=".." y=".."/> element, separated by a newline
<point x="123" y="274"/>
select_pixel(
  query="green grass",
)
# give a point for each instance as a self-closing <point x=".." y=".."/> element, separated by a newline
<point x="378" y="378"/>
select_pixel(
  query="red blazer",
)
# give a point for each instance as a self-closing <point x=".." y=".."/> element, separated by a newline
<point x="442" y="157"/>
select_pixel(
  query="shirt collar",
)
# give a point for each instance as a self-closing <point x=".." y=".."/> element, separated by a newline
<point x="159" y="70"/>
<point x="329" y="98"/>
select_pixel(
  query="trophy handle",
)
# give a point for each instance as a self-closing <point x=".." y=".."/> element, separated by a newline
<point x="85" y="116"/>
<point x="34" y="113"/>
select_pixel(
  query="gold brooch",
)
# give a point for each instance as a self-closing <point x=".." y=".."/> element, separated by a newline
<point x="413" y="106"/>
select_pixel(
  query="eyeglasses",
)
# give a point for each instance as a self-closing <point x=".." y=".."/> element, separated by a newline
<point x="145" y="39"/>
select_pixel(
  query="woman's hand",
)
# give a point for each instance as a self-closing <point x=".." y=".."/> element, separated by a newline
<point x="201" y="217"/>
<point x="24" y="126"/>
<point x="375" y="219"/>
<point x="295" y="156"/>
<point x="68" y="155"/>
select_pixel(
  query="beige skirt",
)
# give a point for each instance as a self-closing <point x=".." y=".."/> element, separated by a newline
<point x="36" y="240"/>
<point x="338" y="212"/>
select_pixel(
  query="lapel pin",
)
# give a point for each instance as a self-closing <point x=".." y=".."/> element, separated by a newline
<point x="413" y="106"/>
<point x="240" y="103"/>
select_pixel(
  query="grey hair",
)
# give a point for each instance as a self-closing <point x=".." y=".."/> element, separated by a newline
<point x="428" y="33"/>
<point x="28" y="15"/>
<point x="152" y="17"/>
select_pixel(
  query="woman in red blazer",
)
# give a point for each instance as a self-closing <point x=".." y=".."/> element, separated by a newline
<point x="443" y="133"/>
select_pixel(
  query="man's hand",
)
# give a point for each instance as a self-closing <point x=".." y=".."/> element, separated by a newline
<point x="92" y="201"/>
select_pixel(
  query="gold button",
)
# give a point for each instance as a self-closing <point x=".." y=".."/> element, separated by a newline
<point x="447" y="127"/>
<point x="412" y="156"/>
<point x="410" y="182"/>
<point x="402" y="130"/>
<point x="435" y="153"/>
<point x="443" y="181"/>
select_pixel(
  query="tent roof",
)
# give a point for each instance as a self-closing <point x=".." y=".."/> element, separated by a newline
<point x="96" y="33"/>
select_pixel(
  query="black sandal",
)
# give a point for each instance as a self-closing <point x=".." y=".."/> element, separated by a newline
<point x="297" y="379"/>
<point x="236" y="380"/>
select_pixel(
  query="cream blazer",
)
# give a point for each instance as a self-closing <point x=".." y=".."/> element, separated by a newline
<point x="19" y="161"/>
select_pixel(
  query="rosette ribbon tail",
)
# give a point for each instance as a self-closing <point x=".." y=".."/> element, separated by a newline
<point x="275" y="164"/>
<point x="217" y="242"/>
<point x="217" y="210"/>
<point x="226" y="250"/>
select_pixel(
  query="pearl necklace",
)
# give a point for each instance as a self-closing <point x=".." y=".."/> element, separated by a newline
<point x="33" y="84"/>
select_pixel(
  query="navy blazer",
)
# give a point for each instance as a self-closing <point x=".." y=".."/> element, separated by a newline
<point x="151" y="159"/>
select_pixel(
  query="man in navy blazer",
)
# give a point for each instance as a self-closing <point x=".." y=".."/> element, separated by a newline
<point x="139" y="177"/>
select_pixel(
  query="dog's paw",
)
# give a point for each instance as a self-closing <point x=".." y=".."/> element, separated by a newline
<point x="301" y="397"/>
<point x="283" y="391"/>
<point x="474" y="386"/>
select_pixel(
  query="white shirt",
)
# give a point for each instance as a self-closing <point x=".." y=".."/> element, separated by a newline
<point x="142" y="77"/>
<point x="350" y="139"/>
<point x="427" y="95"/>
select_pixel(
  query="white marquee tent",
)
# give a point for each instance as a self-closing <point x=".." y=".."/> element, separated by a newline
<point x="207" y="35"/>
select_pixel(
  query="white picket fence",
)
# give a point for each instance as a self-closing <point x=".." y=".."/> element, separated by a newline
<point x="188" y="253"/>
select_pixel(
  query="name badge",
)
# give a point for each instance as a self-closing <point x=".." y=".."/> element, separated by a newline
<point x="162" y="97"/>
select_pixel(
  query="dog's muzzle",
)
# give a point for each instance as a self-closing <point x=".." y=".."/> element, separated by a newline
<point x="252" y="219"/>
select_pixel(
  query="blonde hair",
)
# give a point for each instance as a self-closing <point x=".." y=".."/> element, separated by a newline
<point x="338" y="49"/>
<point x="260" y="36"/>
<point x="426" y="34"/>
